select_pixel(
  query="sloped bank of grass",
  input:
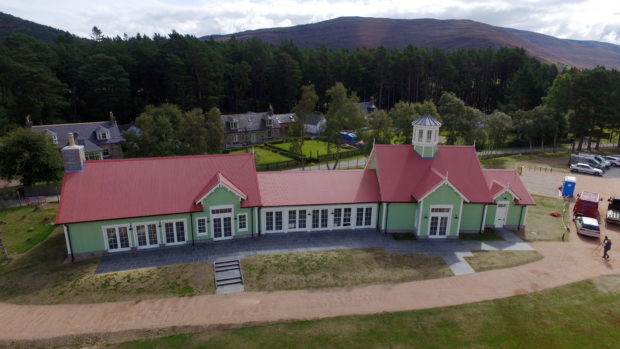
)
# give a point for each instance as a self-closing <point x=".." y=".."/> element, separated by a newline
<point x="579" y="315"/>
<point x="487" y="260"/>
<point x="39" y="276"/>
<point x="337" y="268"/>
<point x="26" y="226"/>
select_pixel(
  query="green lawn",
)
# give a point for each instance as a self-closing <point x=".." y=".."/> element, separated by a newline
<point x="26" y="226"/>
<point x="552" y="160"/>
<point x="541" y="226"/>
<point x="487" y="260"/>
<point x="487" y="235"/>
<point x="265" y="156"/>
<point x="581" y="315"/>
<point x="337" y="268"/>
<point x="311" y="147"/>
<point x="39" y="276"/>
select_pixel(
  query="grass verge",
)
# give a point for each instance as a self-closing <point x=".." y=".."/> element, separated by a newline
<point x="487" y="260"/>
<point x="540" y="225"/>
<point x="39" y="276"/>
<point x="555" y="160"/>
<point x="337" y="268"/>
<point x="487" y="235"/>
<point x="26" y="226"/>
<point x="311" y="147"/>
<point x="579" y="315"/>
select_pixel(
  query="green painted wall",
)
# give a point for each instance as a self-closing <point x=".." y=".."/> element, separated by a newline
<point x="401" y="216"/>
<point x="444" y="195"/>
<point x="88" y="236"/>
<point x="514" y="214"/>
<point x="472" y="216"/>
<point x="223" y="196"/>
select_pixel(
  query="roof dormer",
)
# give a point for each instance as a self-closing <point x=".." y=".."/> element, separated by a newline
<point x="103" y="134"/>
<point x="425" y="136"/>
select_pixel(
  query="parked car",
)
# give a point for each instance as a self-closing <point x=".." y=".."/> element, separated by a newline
<point x="598" y="158"/>
<point x="613" y="210"/>
<point x="585" y="159"/>
<point x="585" y="168"/>
<point x="614" y="160"/>
<point x="588" y="226"/>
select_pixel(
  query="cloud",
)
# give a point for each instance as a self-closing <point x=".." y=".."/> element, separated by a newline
<point x="577" y="19"/>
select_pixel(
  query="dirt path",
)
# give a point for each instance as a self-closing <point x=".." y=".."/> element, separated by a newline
<point x="563" y="263"/>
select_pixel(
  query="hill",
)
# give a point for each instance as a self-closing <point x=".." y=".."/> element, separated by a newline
<point x="357" y="32"/>
<point x="14" y="25"/>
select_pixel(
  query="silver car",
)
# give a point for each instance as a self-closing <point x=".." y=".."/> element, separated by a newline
<point x="585" y="168"/>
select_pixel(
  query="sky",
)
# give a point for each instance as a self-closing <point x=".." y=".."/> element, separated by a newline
<point x="571" y="19"/>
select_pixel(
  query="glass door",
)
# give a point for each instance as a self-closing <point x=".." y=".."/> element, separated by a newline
<point x="117" y="238"/>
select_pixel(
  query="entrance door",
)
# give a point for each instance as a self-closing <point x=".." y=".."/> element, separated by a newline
<point x="222" y="228"/>
<point x="117" y="238"/>
<point x="439" y="222"/>
<point x="221" y="223"/>
<point x="500" y="214"/>
<point x="146" y="235"/>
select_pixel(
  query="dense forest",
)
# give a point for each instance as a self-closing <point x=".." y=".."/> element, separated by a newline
<point x="480" y="94"/>
<point x="73" y="79"/>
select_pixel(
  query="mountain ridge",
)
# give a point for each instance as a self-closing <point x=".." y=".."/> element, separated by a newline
<point x="369" y="32"/>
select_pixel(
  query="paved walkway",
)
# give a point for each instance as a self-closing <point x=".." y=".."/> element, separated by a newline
<point x="563" y="263"/>
<point x="452" y="251"/>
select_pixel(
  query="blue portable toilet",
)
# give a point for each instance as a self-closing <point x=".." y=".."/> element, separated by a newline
<point x="568" y="186"/>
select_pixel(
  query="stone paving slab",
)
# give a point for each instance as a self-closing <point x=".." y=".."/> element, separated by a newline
<point x="299" y="242"/>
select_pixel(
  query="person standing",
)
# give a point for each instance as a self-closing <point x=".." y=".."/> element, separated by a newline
<point x="606" y="247"/>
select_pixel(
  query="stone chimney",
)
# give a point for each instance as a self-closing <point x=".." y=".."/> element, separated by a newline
<point x="28" y="121"/>
<point x="112" y="118"/>
<point x="73" y="156"/>
<point x="270" y="110"/>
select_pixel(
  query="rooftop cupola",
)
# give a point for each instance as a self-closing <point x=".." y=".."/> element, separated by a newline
<point x="425" y="136"/>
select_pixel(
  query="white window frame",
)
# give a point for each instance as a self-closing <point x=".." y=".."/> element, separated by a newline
<point x="330" y="218"/>
<point x="54" y="139"/>
<point x="234" y="125"/>
<point x="174" y="221"/>
<point x="103" y="135"/>
<point x="116" y="226"/>
<point x="206" y="233"/>
<point x="235" y="138"/>
<point x="103" y="153"/>
<point x="134" y="230"/>
<point x="230" y="214"/>
<point x="442" y="214"/>
<point x="239" y="220"/>
<point x="269" y="122"/>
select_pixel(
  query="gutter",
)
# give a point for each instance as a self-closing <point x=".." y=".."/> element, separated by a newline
<point x="68" y="240"/>
<point x="191" y="224"/>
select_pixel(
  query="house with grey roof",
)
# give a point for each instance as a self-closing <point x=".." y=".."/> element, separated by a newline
<point x="255" y="128"/>
<point x="101" y="140"/>
<point x="367" y="107"/>
<point x="315" y="124"/>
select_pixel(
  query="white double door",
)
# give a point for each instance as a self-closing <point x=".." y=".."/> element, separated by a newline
<point x="439" y="222"/>
<point x="221" y="226"/>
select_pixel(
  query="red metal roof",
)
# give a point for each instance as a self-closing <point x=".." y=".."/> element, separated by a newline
<point x="500" y="180"/>
<point x="318" y="187"/>
<point x="110" y="189"/>
<point x="404" y="175"/>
